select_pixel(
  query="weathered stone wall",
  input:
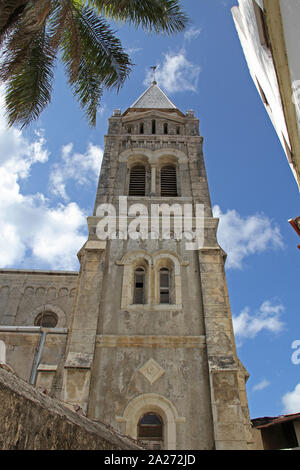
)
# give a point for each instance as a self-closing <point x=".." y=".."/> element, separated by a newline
<point x="24" y="294"/>
<point x="31" y="420"/>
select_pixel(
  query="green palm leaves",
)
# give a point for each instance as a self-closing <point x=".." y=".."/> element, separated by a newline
<point x="35" y="33"/>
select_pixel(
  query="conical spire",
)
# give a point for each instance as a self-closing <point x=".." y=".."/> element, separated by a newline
<point x="153" y="97"/>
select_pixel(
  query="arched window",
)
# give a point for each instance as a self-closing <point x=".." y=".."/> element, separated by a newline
<point x="46" y="319"/>
<point x="153" y="126"/>
<point x="137" y="184"/>
<point x="139" y="286"/>
<point x="164" y="286"/>
<point x="165" y="128"/>
<point x="141" y="128"/>
<point x="168" y="181"/>
<point x="150" y="430"/>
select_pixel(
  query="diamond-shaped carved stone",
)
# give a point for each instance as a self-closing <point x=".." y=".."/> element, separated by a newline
<point x="152" y="371"/>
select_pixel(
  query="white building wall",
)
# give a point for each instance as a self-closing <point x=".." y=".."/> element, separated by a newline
<point x="260" y="63"/>
<point x="290" y="13"/>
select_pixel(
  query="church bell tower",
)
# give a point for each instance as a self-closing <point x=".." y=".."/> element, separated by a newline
<point x="151" y="349"/>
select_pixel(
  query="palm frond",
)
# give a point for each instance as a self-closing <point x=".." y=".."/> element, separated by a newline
<point x="159" y="16"/>
<point x="18" y="44"/>
<point x="10" y="13"/>
<point x="28" y="91"/>
<point x="103" y="62"/>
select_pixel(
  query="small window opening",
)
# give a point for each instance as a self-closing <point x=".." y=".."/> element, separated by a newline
<point x="177" y="130"/>
<point x="153" y="126"/>
<point x="139" y="286"/>
<point x="164" y="286"/>
<point x="129" y="129"/>
<point x="142" y="128"/>
<point x="165" y="128"/>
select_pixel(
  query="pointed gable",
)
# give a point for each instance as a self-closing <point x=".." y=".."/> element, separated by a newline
<point x="153" y="97"/>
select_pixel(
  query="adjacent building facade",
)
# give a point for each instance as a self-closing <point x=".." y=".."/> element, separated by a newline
<point x="269" y="34"/>
<point x="141" y="337"/>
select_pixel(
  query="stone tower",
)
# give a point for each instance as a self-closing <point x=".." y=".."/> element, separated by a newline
<point x="150" y="348"/>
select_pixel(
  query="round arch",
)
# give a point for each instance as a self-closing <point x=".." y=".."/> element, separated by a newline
<point x="152" y="402"/>
<point x="61" y="316"/>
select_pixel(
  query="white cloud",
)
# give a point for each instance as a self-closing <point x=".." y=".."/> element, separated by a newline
<point x="30" y="229"/>
<point x="248" y="325"/>
<point x="241" y="237"/>
<point x="261" y="385"/>
<point x="192" y="33"/>
<point x="176" y="73"/>
<point x="291" y="401"/>
<point x="79" y="168"/>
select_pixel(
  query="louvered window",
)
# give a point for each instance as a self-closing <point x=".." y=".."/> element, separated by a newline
<point x="139" y="286"/>
<point x="168" y="181"/>
<point x="164" y="286"/>
<point x="137" y="181"/>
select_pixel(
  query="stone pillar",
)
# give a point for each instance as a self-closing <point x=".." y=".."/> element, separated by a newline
<point x="153" y="180"/>
<point x="82" y="335"/>
<point x="228" y="418"/>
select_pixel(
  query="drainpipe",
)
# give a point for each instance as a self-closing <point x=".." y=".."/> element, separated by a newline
<point x="37" y="358"/>
<point x="35" y="329"/>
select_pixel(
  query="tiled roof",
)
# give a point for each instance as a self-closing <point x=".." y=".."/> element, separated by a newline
<point x="153" y="97"/>
<point x="271" y="421"/>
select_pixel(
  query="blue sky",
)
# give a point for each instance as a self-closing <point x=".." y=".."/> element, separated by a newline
<point x="49" y="175"/>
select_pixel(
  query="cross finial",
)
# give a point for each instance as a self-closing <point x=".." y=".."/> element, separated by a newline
<point x="154" y="67"/>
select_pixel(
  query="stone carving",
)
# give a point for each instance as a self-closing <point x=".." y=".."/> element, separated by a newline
<point x="152" y="371"/>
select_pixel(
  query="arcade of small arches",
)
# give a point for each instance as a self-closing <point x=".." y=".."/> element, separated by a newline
<point x="153" y="127"/>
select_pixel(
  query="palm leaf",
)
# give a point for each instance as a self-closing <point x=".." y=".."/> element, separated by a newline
<point x="159" y="16"/>
<point x="28" y="91"/>
<point x="103" y="63"/>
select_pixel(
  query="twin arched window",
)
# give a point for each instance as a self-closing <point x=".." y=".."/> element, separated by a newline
<point x="139" y="294"/>
<point x="168" y="181"/>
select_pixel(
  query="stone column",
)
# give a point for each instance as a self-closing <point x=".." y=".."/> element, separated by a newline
<point x="228" y="418"/>
<point x="82" y="335"/>
<point x="153" y="180"/>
